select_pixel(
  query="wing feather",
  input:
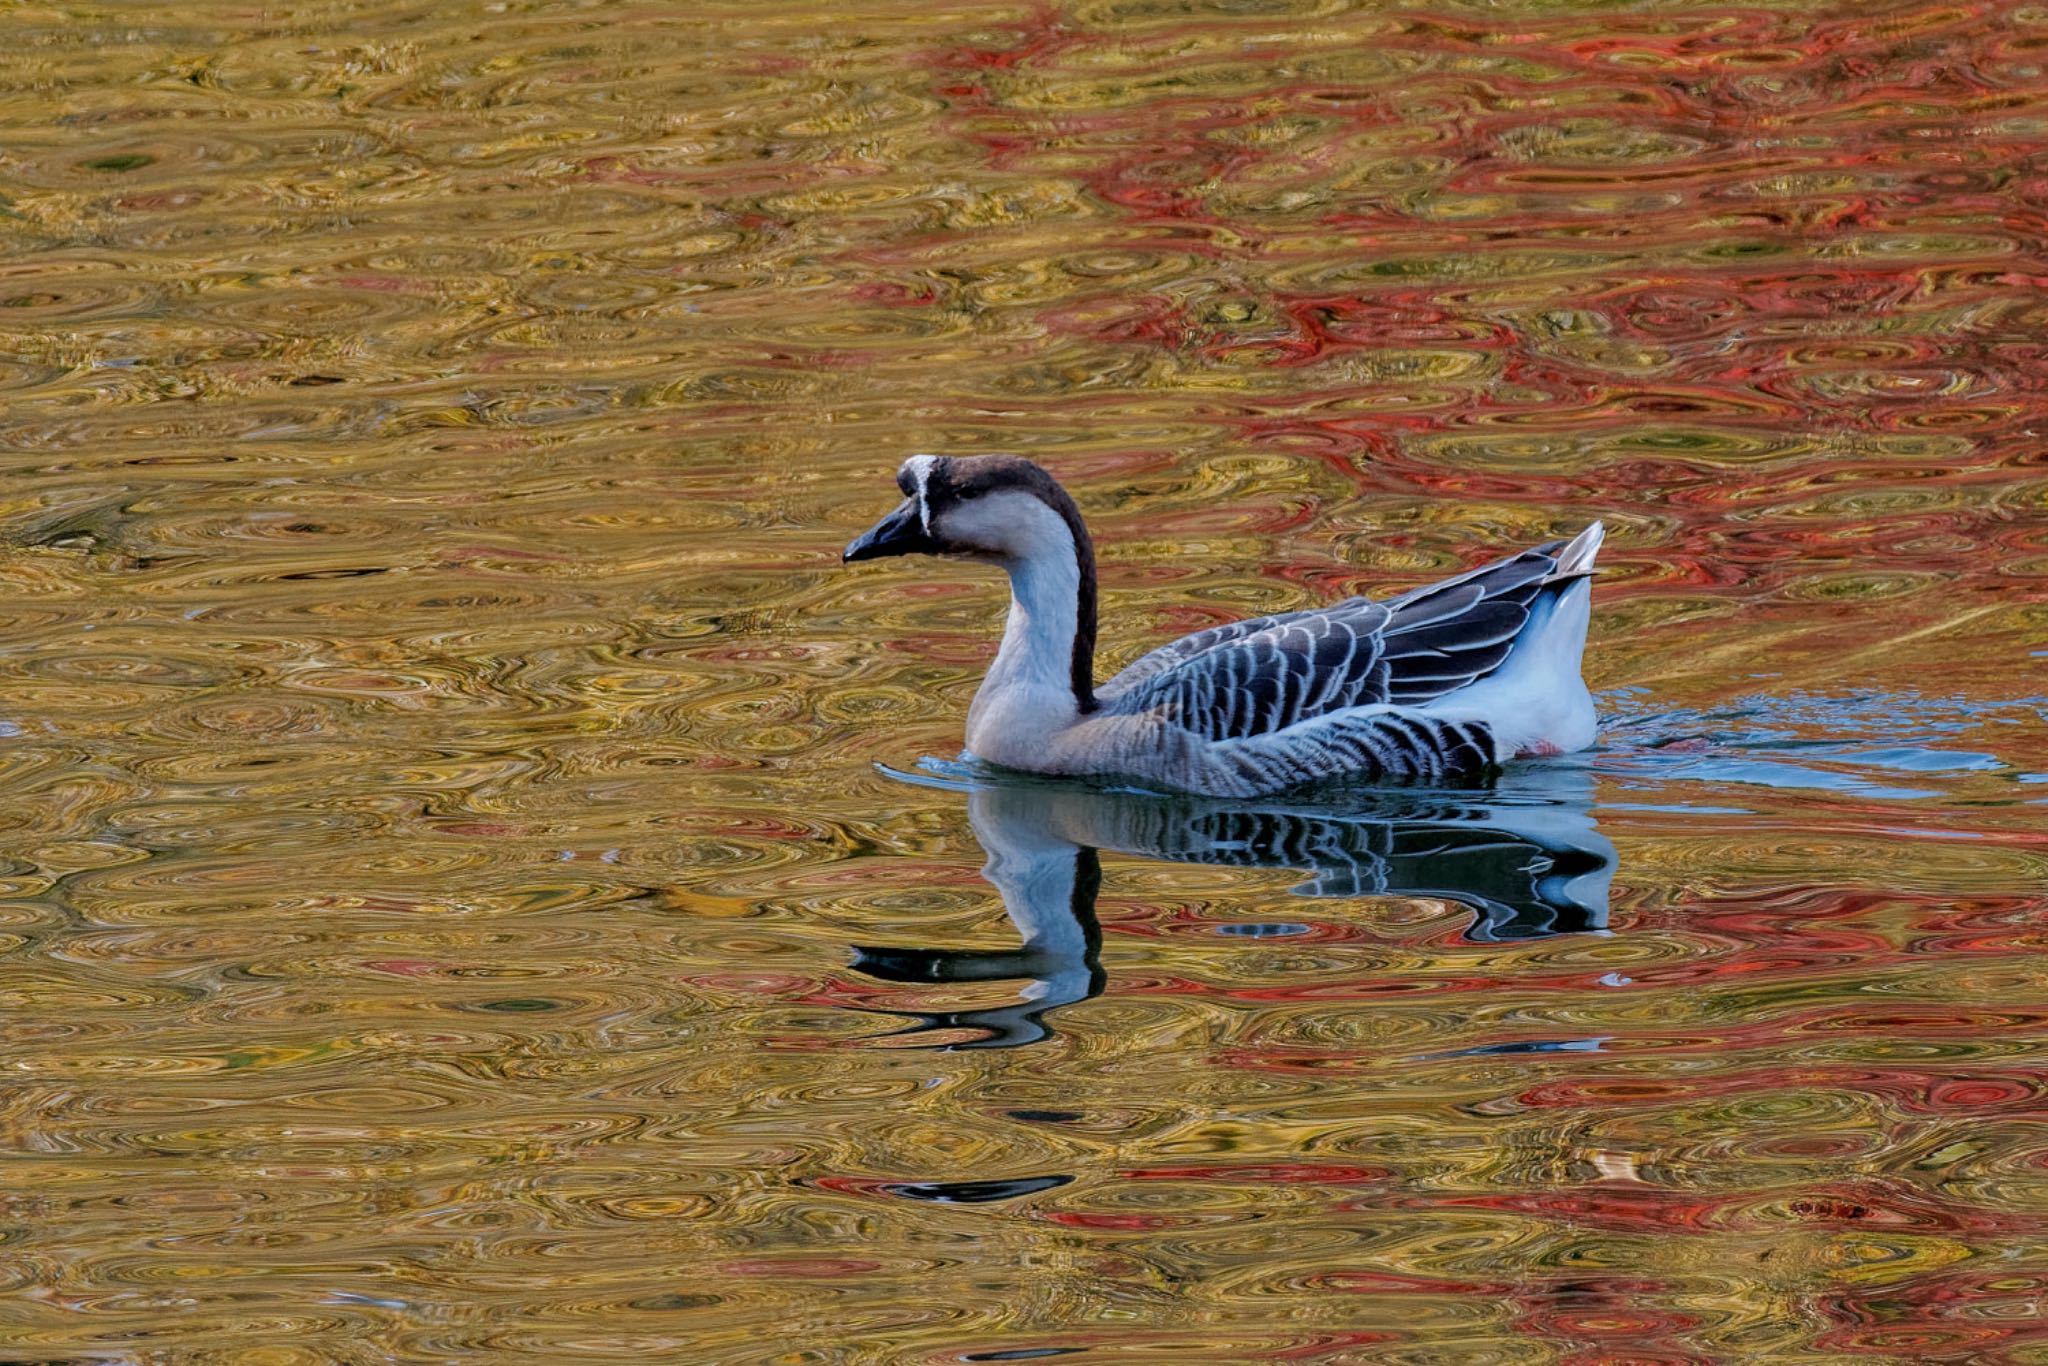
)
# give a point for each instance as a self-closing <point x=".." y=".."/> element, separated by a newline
<point x="1187" y="647"/>
<point x="1261" y="676"/>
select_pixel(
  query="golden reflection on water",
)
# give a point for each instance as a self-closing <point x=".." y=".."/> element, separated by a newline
<point x="442" y="816"/>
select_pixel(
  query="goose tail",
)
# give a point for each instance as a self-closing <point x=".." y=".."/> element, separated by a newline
<point x="1575" y="560"/>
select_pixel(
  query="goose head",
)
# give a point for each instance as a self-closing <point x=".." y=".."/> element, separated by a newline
<point x="1006" y="511"/>
<point x="999" y="508"/>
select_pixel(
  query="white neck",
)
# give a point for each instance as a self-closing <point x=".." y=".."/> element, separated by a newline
<point x="1038" y="637"/>
<point x="1028" y="694"/>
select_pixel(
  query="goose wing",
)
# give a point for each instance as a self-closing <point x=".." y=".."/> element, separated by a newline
<point x="1264" y="675"/>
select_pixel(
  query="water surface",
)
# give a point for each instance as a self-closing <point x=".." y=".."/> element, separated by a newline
<point x="458" y="898"/>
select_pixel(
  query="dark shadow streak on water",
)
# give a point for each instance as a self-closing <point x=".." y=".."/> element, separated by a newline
<point x="973" y="1192"/>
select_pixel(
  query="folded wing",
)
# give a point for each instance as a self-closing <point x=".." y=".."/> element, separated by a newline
<point x="1264" y="675"/>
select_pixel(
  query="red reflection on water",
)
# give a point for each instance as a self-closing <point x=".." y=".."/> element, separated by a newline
<point x="1815" y="241"/>
<point x="1765" y="287"/>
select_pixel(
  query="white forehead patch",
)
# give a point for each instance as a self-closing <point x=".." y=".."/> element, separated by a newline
<point x="920" y="467"/>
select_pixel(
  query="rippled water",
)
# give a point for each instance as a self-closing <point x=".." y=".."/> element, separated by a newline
<point x="481" y="880"/>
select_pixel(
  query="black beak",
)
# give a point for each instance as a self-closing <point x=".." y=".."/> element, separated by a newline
<point x="900" y="533"/>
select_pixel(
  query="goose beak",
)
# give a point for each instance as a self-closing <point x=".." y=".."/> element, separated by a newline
<point x="900" y="533"/>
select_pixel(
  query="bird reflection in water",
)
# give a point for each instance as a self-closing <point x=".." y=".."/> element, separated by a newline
<point x="1525" y="856"/>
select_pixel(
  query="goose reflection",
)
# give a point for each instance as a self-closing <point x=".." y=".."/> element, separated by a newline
<point x="1525" y="856"/>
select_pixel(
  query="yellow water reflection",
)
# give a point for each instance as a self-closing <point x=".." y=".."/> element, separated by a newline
<point x="443" y="811"/>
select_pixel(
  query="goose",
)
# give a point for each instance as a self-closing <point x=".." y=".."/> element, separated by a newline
<point x="1439" y="685"/>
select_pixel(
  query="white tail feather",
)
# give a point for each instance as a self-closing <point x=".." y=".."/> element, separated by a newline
<point x="1536" y="702"/>
<point x="1577" y="558"/>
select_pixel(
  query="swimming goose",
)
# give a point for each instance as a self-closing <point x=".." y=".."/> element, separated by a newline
<point x="1439" y="684"/>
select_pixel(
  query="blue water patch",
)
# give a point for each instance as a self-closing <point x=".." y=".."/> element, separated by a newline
<point x="1848" y="744"/>
<point x="1916" y="760"/>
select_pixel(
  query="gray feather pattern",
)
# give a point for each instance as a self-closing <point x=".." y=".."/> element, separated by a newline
<point x="1253" y="682"/>
<point x="1366" y="746"/>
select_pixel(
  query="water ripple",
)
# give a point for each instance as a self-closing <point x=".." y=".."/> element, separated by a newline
<point x="452" y="906"/>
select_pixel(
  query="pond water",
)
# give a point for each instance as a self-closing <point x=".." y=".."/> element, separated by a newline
<point x="481" y="881"/>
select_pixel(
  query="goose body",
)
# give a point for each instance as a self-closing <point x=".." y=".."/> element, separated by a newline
<point x="1440" y="684"/>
